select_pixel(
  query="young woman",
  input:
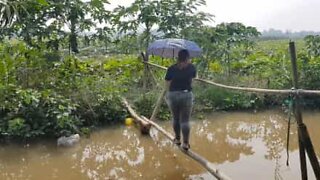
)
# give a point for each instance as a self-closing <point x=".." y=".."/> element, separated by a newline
<point x="179" y="96"/>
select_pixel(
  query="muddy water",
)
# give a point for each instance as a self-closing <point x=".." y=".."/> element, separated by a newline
<point x="244" y="145"/>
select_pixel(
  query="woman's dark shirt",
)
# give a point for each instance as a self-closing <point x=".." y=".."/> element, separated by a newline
<point x="181" y="79"/>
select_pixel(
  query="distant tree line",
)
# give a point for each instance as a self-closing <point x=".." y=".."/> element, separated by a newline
<point x="279" y="34"/>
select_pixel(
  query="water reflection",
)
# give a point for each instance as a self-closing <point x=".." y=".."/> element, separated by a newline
<point x="233" y="137"/>
<point x="116" y="158"/>
<point x="237" y="143"/>
<point x="249" y="134"/>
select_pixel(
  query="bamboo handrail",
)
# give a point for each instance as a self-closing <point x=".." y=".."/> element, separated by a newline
<point x="249" y="89"/>
<point x="205" y="163"/>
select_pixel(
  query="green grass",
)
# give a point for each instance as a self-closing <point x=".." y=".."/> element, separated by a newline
<point x="281" y="44"/>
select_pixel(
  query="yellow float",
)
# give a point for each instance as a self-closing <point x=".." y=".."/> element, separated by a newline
<point x="128" y="121"/>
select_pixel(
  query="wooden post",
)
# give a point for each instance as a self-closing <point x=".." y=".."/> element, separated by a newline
<point x="303" y="135"/>
<point x="145" y="74"/>
<point x="310" y="150"/>
<point x="297" y="112"/>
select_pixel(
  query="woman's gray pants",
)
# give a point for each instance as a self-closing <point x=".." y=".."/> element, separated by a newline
<point x="180" y="104"/>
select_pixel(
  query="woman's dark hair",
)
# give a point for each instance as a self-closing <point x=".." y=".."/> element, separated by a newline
<point x="183" y="55"/>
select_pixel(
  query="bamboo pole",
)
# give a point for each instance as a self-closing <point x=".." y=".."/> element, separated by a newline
<point x="158" y="104"/>
<point x="303" y="135"/>
<point x="153" y="77"/>
<point x="205" y="163"/>
<point x="249" y="89"/>
<point x="310" y="150"/>
<point x="145" y="71"/>
<point x="297" y="113"/>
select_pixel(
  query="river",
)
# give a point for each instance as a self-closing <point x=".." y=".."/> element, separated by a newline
<point x="243" y="145"/>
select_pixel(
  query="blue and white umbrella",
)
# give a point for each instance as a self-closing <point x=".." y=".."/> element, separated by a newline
<point x="169" y="48"/>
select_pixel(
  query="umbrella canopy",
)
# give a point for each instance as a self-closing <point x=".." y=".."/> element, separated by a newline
<point x="169" y="48"/>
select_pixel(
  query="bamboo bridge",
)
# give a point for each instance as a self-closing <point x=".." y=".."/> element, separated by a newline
<point x="305" y="143"/>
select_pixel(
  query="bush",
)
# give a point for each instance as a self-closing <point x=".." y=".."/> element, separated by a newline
<point x="30" y="113"/>
<point x="107" y="110"/>
<point x="211" y="98"/>
<point x="46" y="95"/>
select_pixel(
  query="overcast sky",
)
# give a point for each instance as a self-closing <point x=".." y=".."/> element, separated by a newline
<point x="293" y="15"/>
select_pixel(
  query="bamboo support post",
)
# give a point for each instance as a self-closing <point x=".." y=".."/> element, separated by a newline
<point x="145" y="71"/>
<point x="303" y="135"/>
<point x="153" y="77"/>
<point x="205" y="163"/>
<point x="298" y="115"/>
<point x="158" y="105"/>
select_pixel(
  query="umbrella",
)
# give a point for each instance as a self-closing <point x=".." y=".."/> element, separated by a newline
<point x="169" y="48"/>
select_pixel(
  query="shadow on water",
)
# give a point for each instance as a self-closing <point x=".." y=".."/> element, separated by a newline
<point x="243" y="145"/>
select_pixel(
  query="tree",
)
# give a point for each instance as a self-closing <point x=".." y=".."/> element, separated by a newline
<point x="234" y="41"/>
<point x="227" y="42"/>
<point x="78" y="16"/>
<point x="51" y="21"/>
<point x="159" y="18"/>
<point x="177" y="17"/>
<point x="9" y="11"/>
<point x="141" y="15"/>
